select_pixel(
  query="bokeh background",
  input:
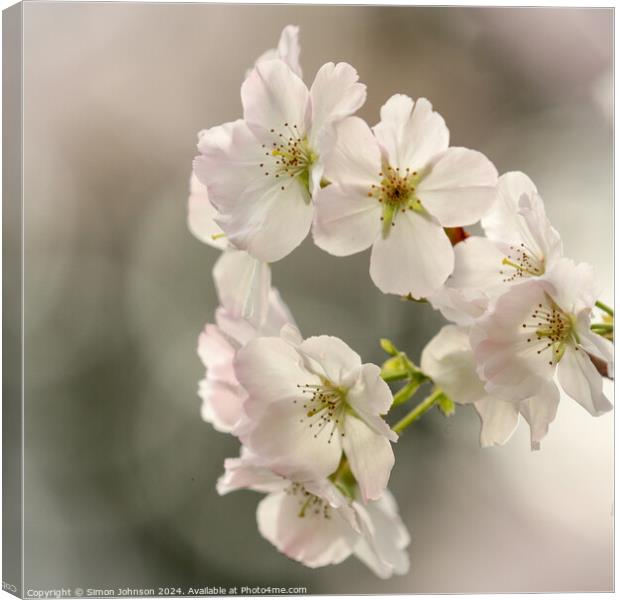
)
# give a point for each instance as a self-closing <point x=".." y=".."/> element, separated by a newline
<point x="120" y="470"/>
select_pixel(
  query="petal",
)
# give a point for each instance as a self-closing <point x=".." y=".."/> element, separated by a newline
<point x="270" y="370"/>
<point x="335" y="94"/>
<point x="370" y="456"/>
<point x="370" y="395"/>
<point x="448" y="359"/>
<point x="217" y="354"/>
<point x="355" y="157"/>
<point x="200" y="215"/>
<point x="478" y="265"/>
<point x="460" y="187"/>
<point x="270" y="218"/>
<point x="539" y="411"/>
<point x="574" y="285"/>
<point x="499" y="420"/>
<point x="582" y="382"/>
<point x="416" y="257"/>
<point x="313" y="540"/>
<point x="597" y="346"/>
<point x="507" y="353"/>
<point x="243" y="284"/>
<point x="330" y="357"/>
<point x="288" y="50"/>
<point x="222" y="404"/>
<point x="518" y="216"/>
<point x="295" y="444"/>
<point x="228" y="163"/>
<point x="247" y="472"/>
<point x="346" y="220"/>
<point x="385" y="537"/>
<point x="461" y="306"/>
<point x="272" y="96"/>
<point x="411" y="133"/>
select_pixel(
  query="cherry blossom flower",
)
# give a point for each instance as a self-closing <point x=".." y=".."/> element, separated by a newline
<point x="262" y="176"/>
<point x="309" y="402"/>
<point x="520" y="243"/>
<point x="317" y="523"/>
<point x="449" y="360"/>
<point x="539" y="329"/>
<point x="396" y="190"/>
<point x="309" y="521"/>
<point x="222" y="395"/>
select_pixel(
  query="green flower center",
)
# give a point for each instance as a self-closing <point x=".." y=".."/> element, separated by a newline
<point x="397" y="193"/>
<point x="523" y="263"/>
<point x="325" y="405"/>
<point x="550" y="330"/>
<point x="289" y="156"/>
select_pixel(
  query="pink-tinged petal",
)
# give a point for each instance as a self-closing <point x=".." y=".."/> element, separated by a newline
<point x="574" y="285"/>
<point x="355" y="157"/>
<point x="478" y="265"/>
<point x="243" y="284"/>
<point x="248" y="472"/>
<point x="518" y="217"/>
<point x="217" y="354"/>
<point x="499" y="420"/>
<point x="539" y="411"/>
<point x="330" y="357"/>
<point x="271" y="218"/>
<point x="274" y="96"/>
<point x="384" y="539"/>
<point x="229" y="161"/>
<point x="290" y="334"/>
<point x="448" y="359"/>
<point x="270" y="370"/>
<point x="240" y="331"/>
<point x="288" y="50"/>
<point x="460" y="188"/>
<point x="296" y="445"/>
<point x="370" y="395"/>
<point x="201" y="214"/>
<point x="461" y="306"/>
<point x="370" y="456"/>
<point x="582" y="382"/>
<point x="503" y="223"/>
<point x="416" y="257"/>
<point x="597" y="346"/>
<point x="508" y="353"/>
<point x="346" y="220"/>
<point x="312" y="539"/>
<point x="411" y="133"/>
<point x="222" y="404"/>
<point x="335" y="94"/>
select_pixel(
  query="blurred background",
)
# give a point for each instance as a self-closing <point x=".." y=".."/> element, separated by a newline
<point x="120" y="469"/>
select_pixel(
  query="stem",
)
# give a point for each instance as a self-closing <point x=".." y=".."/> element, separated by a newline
<point x="602" y="327"/>
<point x="604" y="307"/>
<point x="417" y="412"/>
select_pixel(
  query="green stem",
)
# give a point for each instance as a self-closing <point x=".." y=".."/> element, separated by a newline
<point x="601" y="327"/>
<point x="605" y="308"/>
<point x="417" y="412"/>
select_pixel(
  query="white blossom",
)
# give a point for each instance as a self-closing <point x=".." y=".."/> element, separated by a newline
<point x="448" y="359"/>
<point x="396" y="190"/>
<point x="520" y="244"/>
<point x="538" y="332"/>
<point x="309" y="402"/>
<point x="262" y="177"/>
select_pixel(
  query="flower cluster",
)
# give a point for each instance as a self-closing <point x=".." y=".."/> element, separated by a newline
<point x="308" y="413"/>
